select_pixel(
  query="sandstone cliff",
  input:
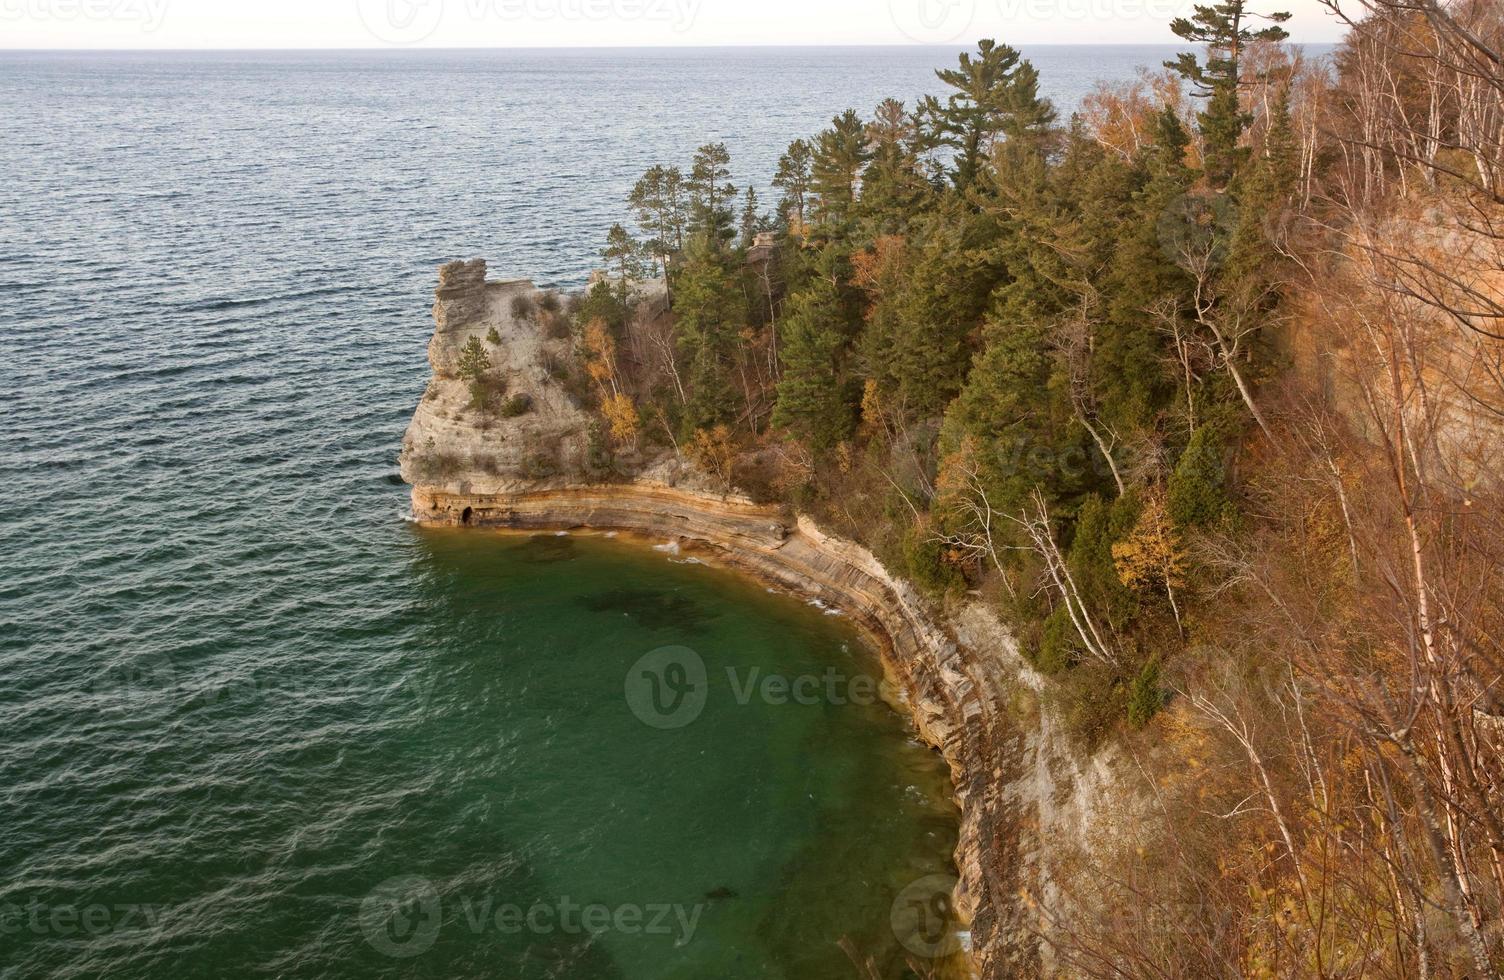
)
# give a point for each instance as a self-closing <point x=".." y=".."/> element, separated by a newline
<point x="1021" y="792"/>
<point x="450" y="444"/>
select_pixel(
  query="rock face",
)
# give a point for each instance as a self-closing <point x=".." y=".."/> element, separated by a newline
<point x="1016" y="784"/>
<point x="449" y="443"/>
<point x="461" y="296"/>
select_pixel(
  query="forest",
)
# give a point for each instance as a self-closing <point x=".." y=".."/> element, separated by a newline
<point x="1202" y="389"/>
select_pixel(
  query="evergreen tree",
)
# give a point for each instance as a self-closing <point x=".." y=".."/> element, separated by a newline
<point x="810" y="401"/>
<point x="621" y="255"/>
<point x="712" y="196"/>
<point x="793" y="179"/>
<point x="1005" y="406"/>
<point x="894" y="189"/>
<point x="709" y="311"/>
<point x="659" y="200"/>
<point x="992" y="98"/>
<point x="1222" y="27"/>
<point x="917" y="341"/>
<point x="475" y="369"/>
<point x="1029" y="118"/>
<point x="1263" y="193"/>
<point x="835" y="169"/>
<point x="474" y="363"/>
<point x="752" y="220"/>
<point x="1148" y="219"/>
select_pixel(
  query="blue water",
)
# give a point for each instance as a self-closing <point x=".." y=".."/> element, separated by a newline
<point x="238" y="692"/>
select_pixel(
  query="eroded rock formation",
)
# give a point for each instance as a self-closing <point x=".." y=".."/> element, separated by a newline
<point x="452" y="445"/>
<point x="1019" y="790"/>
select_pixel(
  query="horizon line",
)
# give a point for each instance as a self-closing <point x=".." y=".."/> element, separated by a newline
<point x="396" y="48"/>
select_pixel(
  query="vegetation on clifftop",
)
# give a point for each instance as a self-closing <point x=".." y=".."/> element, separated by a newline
<point x="1196" y="388"/>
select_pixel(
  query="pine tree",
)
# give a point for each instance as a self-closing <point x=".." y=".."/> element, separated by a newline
<point x="835" y="169"/>
<point x="894" y="189"/>
<point x="1263" y="194"/>
<point x="1222" y="28"/>
<point x="475" y="368"/>
<point x="712" y="196"/>
<point x="474" y="363"/>
<point x="658" y="197"/>
<point x="918" y="340"/>
<point x="752" y="219"/>
<point x="793" y="179"/>
<point x="621" y="255"/>
<point x="810" y="401"/>
<point x="996" y="94"/>
<point x="709" y="312"/>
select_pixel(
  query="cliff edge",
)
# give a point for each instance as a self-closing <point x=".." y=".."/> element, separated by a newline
<point x="1021" y="793"/>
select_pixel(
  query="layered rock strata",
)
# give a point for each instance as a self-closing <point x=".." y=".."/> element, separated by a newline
<point x="1016" y="784"/>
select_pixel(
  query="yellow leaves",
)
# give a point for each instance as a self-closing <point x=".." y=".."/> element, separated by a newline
<point x="1153" y="553"/>
<point x="621" y="417"/>
<point x="874" y="418"/>
<point x="957" y="472"/>
<point x="714" y="451"/>
<point x="600" y="353"/>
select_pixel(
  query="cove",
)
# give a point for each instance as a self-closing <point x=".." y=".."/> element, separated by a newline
<point x="781" y="809"/>
<point x="437" y="771"/>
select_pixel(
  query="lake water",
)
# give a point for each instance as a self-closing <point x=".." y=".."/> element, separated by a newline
<point x="243" y="701"/>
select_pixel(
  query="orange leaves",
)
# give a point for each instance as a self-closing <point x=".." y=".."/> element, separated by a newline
<point x="714" y="451"/>
<point x="880" y="269"/>
<point x="621" y="417"/>
<point x="1153" y="553"/>
<point x="600" y="354"/>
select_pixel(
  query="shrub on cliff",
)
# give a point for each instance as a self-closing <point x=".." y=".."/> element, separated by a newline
<point x="1059" y="646"/>
<point x="519" y="404"/>
<point x="475" y="368"/>
<point x="1145" y="696"/>
<point x="600" y="303"/>
<point x="434" y="465"/>
<point x="523" y="308"/>
<point x="927" y="568"/>
<point x="474" y="362"/>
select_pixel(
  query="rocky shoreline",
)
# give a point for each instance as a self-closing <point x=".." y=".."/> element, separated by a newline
<point x="941" y="689"/>
<point x="1021" y="792"/>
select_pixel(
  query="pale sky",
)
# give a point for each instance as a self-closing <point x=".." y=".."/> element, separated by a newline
<point x="597" y="23"/>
